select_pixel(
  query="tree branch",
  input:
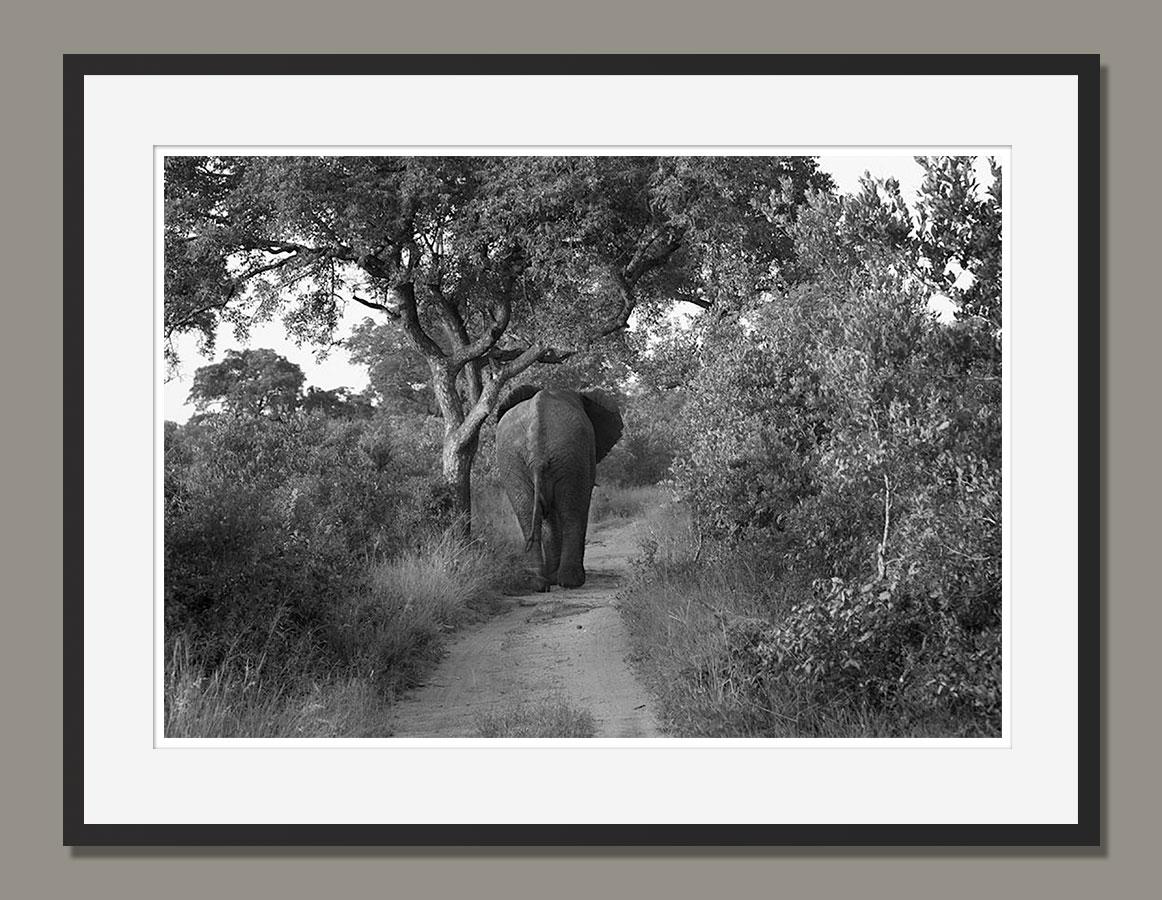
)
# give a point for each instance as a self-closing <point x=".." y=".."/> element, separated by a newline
<point x="550" y="355"/>
<point x="643" y="261"/>
<point x="482" y="346"/>
<point x="449" y="314"/>
<point x="371" y="304"/>
<point x="631" y="273"/>
<point x="468" y="428"/>
<point x="411" y="321"/>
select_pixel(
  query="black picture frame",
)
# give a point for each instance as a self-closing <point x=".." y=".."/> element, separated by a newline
<point x="1087" y="831"/>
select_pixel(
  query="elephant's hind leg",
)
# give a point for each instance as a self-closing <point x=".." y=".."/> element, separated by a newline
<point x="520" y="497"/>
<point x="571" y="572"/>
<point x="551" y="546"/>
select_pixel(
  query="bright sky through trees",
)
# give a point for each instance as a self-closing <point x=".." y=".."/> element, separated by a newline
<point x="336" y="370"/>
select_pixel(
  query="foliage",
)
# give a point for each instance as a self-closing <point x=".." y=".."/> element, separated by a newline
<point x="646" y="450"/>
<point x="959" y="230"/>
<point x="398" y="373"/>
<point x="338" y="403"/>
<point x="909" y="656"/>
<point x="308" y="571"/>
<point x="268" y="521"/>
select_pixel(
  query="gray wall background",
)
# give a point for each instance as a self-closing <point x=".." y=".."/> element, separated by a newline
<point x="35" y="34"/>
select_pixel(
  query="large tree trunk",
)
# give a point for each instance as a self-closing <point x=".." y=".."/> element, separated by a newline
<point x="458" y="476"/>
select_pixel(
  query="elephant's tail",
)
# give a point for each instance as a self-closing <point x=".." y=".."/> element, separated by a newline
<point x="534" y="539"/>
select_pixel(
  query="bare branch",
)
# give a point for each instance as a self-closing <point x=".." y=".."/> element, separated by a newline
<point x="881" y="550"/>
<point x="371" y="304"/>
<point x="550" y="355"/>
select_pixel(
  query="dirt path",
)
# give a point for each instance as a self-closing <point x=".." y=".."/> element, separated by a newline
<point x="566" y="644"/>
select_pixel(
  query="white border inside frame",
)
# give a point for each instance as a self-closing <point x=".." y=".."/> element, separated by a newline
<point x="1034" y="780"/>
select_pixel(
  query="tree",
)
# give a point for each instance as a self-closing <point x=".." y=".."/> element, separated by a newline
<point x="397" y="371"/>
<point x="338" y="403"/>
<point x="249" y="382"/>
<point x="958" y="225"/>
<point x="488" y="265"/>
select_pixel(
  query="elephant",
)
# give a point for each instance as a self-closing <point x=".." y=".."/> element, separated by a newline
<point x="548" y="444"/>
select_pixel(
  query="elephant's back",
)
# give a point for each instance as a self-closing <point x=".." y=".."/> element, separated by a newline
<point x="547" y="423"/>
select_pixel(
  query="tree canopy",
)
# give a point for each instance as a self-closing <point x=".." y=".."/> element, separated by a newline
<point x="488" y="265"/>
<point x="249" y="381"/>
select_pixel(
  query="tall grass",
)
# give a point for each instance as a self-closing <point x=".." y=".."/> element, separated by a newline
<point x="343" y="675"/>
<point x="245" y="699"/>
<point x="392" y="627"/>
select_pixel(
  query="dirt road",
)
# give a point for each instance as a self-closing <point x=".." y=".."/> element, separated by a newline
<point x="566" y="645"/>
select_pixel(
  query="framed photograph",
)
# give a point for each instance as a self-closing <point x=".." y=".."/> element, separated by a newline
<point x="581" y="450"/>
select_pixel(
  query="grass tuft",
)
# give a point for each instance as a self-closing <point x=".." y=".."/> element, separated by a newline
<point x="551" y="719"/>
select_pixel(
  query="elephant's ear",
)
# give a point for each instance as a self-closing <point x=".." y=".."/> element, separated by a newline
<point x="607" y="425"/>
<point x="518" y="394"/>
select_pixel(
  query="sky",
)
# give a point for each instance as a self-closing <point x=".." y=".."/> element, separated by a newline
<point x="336" y="370"/>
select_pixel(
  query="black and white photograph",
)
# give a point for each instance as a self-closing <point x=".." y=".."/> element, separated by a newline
<point x="582" y="445"/>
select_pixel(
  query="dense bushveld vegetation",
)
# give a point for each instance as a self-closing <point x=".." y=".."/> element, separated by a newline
<point x="309" y="572"/>
<point x="838" y="569"/>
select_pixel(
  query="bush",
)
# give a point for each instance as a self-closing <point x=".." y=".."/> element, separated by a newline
<point x="269" y="522"/>
<point x="906" y="657"/>
<point x="646" y="450"/>
<point x="846" y="446"/>
<point x="731" y="651"/>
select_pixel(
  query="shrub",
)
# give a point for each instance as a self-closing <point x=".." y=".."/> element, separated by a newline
<point x="846" y="446"/>
<point x="900" y="655"/>
<point x="268" y="522"/>
<point x="645" y="451"/>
